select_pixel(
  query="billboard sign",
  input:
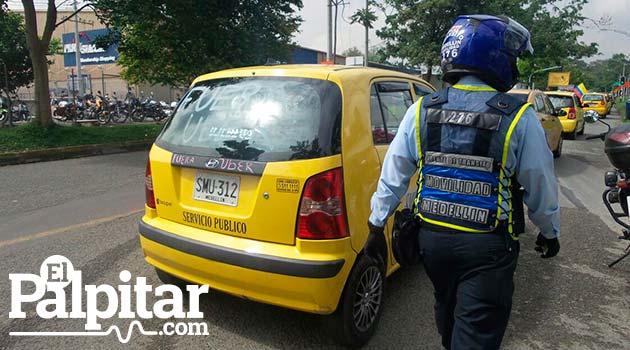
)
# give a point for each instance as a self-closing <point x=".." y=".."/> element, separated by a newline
<point x="90" y="53"/>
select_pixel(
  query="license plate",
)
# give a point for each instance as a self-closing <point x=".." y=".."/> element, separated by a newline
<point x="216" y="188"/>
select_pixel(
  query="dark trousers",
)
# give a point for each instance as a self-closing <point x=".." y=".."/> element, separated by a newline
<point x="472" y="274"/>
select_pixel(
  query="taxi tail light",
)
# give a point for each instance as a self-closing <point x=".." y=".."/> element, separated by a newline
<point x="322" y="213"/>
<point x="148" y="186"/>
<point x="602" y="103"/>
<point x="571" y="114"/>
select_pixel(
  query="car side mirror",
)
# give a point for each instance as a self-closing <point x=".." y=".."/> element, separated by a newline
<point x="561" y="112"/>
<point x="591" y="116"/>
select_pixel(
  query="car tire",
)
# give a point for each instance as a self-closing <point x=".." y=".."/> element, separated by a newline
<point x="167" y="278"/>
<point x="558" y="152"/>
<point x="581" y="132"/>
<point x="360" y="306"/>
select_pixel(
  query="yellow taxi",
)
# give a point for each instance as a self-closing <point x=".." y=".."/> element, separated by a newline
<point x="597" y="102"/>
<point x="547" y="115"/>
<point x="260" y="186"/>
<point x="572" y="115"/>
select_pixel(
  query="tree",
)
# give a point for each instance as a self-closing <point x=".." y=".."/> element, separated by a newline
<point x="601" y="74"/>
<point x="415" y="30"/>
<point x="353" y="51"/>
<point x="13" y="52"/>
<point x="173" y="41"/>
<point x="38" y="48"/>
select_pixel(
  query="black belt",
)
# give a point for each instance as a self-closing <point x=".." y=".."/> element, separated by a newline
<point x="502" y="228"/>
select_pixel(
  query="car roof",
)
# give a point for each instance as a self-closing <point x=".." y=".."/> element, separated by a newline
<point x="318" y="71"/>
<point x="560" y="93"/>
<point x="521" y="91"/>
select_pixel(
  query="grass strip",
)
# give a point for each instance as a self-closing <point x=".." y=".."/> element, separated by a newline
<point x="32" y="136"/>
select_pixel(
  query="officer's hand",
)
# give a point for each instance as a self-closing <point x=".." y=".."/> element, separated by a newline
<point x="375" y="242"/>
<point x="548" y="247"/>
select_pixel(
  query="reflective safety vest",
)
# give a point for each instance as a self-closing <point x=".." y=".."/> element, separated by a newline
<point x="462" y="181"/>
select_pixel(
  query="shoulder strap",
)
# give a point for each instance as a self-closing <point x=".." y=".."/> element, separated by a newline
<point x="504" y="103"/>
<point x="436" y="98"/>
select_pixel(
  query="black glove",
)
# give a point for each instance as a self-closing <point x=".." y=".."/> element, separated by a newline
<point x="548" y="247"/>
<point x="375" y="243"/>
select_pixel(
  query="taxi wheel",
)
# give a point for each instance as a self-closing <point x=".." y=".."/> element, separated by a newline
<point x="581" y="132"/>
<point x="361" y="304"/>
<point x="167" y="278"/>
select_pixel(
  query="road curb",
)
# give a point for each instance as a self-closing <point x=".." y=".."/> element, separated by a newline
<point x="49" y="154"/>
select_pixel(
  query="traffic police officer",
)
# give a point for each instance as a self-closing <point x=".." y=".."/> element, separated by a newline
<point x="473" y="147"/>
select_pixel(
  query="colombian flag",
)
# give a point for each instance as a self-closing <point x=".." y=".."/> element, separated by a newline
<point x="580" y="90"/>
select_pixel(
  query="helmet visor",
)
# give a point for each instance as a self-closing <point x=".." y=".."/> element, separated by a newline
<point x="517" y="38"/>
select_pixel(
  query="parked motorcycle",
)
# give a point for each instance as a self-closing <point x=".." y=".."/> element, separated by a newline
<point x="19" y="110"/>
<point x="617" y="149"/>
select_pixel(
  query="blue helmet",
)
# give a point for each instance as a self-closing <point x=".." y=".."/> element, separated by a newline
<point x="484" y="46"/>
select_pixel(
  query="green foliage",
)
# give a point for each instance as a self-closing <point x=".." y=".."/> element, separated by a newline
<point x="365" y="17"/>
<point x="173" y="41"/>
<point x="55" y="47"/>
<point x="601" y="74"/>
<point x="13" y="51"/>
<point x="34" y="136"/>
<point x="415" y="30"/>
<point x="353" y="51"/>
<point x="620" y="103"/>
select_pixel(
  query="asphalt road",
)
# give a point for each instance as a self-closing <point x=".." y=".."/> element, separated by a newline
<point x="87" y="210"/>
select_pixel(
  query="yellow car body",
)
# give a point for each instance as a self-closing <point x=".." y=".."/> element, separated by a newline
<point x="573" y="121"/>
<point x="597" y="102"/>
<point x="546" y="115"/>
<point x="249" y="246"/>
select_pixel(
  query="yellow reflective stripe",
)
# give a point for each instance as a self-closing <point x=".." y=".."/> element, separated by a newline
<point x="473" y="88"/>
<point x="419" y="147"/>
<point x="445" y="224"/>
<point x="418" y="108"/>
<point x="506" y="147"/>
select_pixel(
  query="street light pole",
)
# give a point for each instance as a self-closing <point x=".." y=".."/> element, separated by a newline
<point x="329" y="49"/>
<point x="78" y="50"/>
<point x="367" y="8"/>
<point x="529" y="81"/>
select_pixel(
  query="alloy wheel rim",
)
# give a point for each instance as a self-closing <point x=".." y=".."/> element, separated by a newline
<point x="367" y="298"/>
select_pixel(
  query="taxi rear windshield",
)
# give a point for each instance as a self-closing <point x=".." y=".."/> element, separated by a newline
<point x="559" y="101"/>
<point x="257" y="118"/>
<point x="593" y="98"/>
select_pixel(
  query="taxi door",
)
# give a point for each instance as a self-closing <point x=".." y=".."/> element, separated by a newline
<point x="389" y="101"/>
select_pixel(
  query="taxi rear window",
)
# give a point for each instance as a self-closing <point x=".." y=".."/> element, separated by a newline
<point x="593" y="98"/>
<point x="559" y="101"/>
<point x="257" y="118"/>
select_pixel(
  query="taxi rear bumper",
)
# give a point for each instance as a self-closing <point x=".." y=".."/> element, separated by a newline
<point x="253" y="261"/>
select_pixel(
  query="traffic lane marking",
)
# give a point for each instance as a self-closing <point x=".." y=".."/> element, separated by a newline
<point x="67" y="228"/>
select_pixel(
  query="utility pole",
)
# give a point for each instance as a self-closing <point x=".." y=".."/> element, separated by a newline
<point x="365" y="63"/>
<point x="78" y="51"/>
<point x="329" y="52"/>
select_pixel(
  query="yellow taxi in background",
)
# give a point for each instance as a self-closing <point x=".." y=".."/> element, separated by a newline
<point x="572" y="117"/>
<point x="597" y="102"/>
<point x="260" y="186"/>
<point x="547" y="115"/>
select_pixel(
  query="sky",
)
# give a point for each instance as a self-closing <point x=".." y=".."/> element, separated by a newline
<point x="313" y="32"/>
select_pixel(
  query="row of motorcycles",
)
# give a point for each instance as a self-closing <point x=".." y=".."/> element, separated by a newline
<point x="105" y="109"/>
<point x="19" y="110"/>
